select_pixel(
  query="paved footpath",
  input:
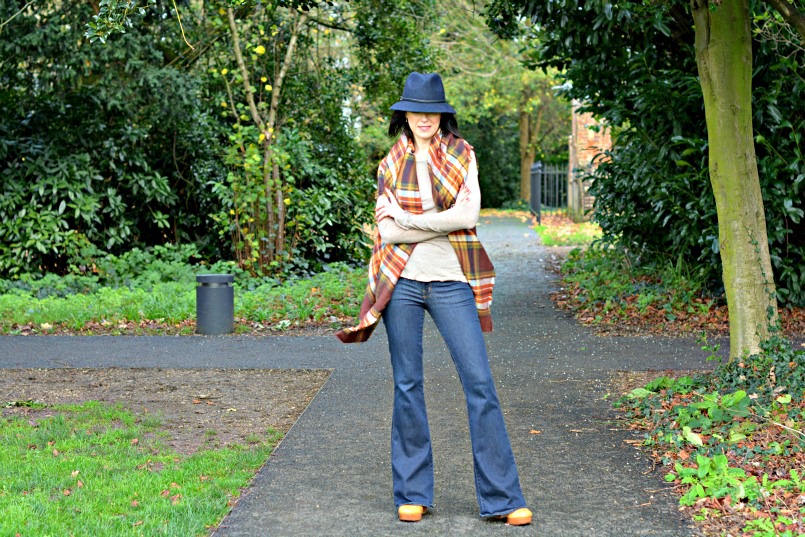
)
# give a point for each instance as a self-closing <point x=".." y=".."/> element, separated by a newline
<point x="330" y="476"/>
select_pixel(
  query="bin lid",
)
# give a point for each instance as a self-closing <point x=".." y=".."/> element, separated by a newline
<point x="215" y="278"/>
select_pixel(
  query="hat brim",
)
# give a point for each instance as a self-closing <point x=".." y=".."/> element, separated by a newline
<point x="423" y="108"/>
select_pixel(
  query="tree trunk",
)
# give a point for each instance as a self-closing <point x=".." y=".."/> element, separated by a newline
<point x="525" y="165"/>
<point x="530" y="127"/>
<point x="272" y="179"/>
<point x="281" y="248"/>
<point x="724" y="59"/>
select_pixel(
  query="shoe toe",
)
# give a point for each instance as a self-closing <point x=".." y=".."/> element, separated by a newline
<point x="520" y="517"/>
<point x="411" y="513"/>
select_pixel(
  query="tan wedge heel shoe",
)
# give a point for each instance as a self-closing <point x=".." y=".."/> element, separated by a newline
<point x="520" y="517"/>
<point x="411" y="513"/>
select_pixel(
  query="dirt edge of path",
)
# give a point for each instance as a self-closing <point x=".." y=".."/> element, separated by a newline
<point x="198" y="407"/>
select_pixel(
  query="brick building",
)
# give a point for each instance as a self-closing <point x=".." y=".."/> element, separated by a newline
<point x="588" y="138"/>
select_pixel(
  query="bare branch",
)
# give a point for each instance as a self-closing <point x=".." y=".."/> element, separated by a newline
<point x="332" y="25"/>
<point x="181" y="26"/>
<point x="244" y="72"/>
<point x="26" y="6"/>
<point x="286" y="62"/>
<point x="791" y="15"/>
<point x="781" y="35"/>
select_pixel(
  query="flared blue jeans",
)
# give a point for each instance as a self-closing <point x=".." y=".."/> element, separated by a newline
<point x="452" y="307"/>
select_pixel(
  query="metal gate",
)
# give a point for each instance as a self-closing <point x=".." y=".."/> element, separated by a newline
<point x="548" y="188"/>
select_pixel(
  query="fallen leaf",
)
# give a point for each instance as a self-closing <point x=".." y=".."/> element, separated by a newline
<point x="75" y="473"/>
<point x="196" y="402"/>
<point x="67" y="492"/>
<point x="135" y="503"/>
<point x="55" y="452"/>
<point x="138" y="523"/>
<point x="135" y="441"/>
<point x="534" y="431"/>
<point x="231" y="409"/>
<point x="80" y="484"/>
<point x="175" y="499"/>
<point x="165" y="493"/>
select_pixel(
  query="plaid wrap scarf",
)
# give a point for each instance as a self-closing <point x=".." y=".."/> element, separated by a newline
<point x="448" y="162"/>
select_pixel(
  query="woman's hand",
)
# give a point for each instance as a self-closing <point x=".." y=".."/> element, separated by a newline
<point x="387" y="207"/>
<point x="463" y="195"/>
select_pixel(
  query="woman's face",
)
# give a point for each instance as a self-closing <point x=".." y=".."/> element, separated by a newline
<point x="424" y="126"/>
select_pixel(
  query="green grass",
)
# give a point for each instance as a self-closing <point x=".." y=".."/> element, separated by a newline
<point x="568" y="233"/>
<point x="337" y="292"/>
<point x="94" y="469"/>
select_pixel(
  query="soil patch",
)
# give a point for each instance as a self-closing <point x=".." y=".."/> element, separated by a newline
<point x="198" y="407"/>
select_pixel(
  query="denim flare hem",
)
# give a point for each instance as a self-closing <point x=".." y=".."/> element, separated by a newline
<point x="504" y="512"/>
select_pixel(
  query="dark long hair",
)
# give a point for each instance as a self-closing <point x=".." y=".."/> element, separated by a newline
<point x="398" y="124"/>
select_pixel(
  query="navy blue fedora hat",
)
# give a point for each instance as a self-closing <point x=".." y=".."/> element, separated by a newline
<point x="423" y="93"/>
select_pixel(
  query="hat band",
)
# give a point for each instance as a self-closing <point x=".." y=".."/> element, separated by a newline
<point x="422" y="100"/>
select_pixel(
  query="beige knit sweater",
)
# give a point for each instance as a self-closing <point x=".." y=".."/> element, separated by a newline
<point x="434" y="259"/>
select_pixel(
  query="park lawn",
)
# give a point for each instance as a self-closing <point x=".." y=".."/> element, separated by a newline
<point x="97" y="469"/>
<point x="571" y="234"/>
<point x="329" y="298"/>
<point x="559" y="230"/>
<point x="555" y="229"/>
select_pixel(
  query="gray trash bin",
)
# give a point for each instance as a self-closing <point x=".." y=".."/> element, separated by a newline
<point x="215" y="304"/>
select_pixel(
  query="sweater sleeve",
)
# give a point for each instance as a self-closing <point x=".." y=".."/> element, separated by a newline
<point x="393" y="233"/>
<point x="458" y="217"/>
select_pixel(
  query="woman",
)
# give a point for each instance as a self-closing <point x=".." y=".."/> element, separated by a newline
<point x="428" y="257"/>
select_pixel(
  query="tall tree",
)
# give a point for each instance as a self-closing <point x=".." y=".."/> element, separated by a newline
<point x="286" y="71"/>
<point x="544" y="121"/>
<point x="101" y="148"/>
<point x="487" y="76"/>
<point x="723" y="49"/>
<point x="724" y="57"/>
<point x="266" y="221"/>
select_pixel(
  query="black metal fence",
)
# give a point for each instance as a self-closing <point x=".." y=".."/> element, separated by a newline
<point x="548" y="188"/>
